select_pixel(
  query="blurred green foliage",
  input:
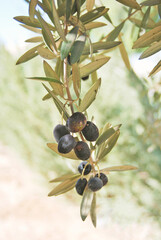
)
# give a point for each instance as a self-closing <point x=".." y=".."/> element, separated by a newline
<point x="27" y="122"/>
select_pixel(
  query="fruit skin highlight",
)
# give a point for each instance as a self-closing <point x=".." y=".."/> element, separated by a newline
<point x="83" y="165"/>
<point x="59" y="131"/>
<point x="95" y="184"/>
<point x="82" y="150"/>
<point x="90" y="131"/>
<point x="76" y="122"/>
<point x="80" y="185"/>
<point x="66" y="143"/>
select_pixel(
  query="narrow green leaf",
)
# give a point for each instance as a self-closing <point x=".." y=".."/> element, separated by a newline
<point x="46" y="79"/>
<point x="66" y="45"/>
<point x="27" y="20"/>
<point x="131" y="3"/>
<point x="154" y="48"/>
<point x="76" y="79"/>
<point x="156" y="69"/>
<point x="76" y="7"/>
<point x="77" y="49"/>
<point x="107" y="134"/>
<point x="44" y="52"/>
<point x="32" y="6"/>
<point x="114" y="34"/>
<point x="86" y="203"/>
<point x="90" y="4"/>
<point x="58" y="104"/>
<point x="94" y="14"/>
<point x="93" y="210"/>
<point x="56" y="21"/>
<point x="150" y="2"/>
<point x="93" y="66"/>
<point x="124" y="54"/>
<point x="149" y="37"/>
<point x="33" y="29"/>
<point x="100" y="46"/>
<point x="89" y="96"/>
<point x="47" y="35"/>
<point x="65" y="177"/>
<point x="110" y="144"/>
<point x="118" y="168"/>
<point x="28" y="55"/>
<point x="34" y="39"/>
<point x="145" y="18"/>
<point x="68" y="8"/>
<point x="63" y="187"/>
<point x="149" y="25"/>
<point x="54" y="147"/>
<point x="92" y="25"/>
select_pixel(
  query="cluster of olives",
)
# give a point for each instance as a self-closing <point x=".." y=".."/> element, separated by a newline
<point x="66" y="142"/>
<point x="94" y="184"/>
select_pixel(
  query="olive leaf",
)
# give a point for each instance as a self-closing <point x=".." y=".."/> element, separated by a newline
<point x="159" y="10"/>
<point x="151" y="3"/>
<point x="29" y="55"/>
<point x="49" y="72"/>
<point x="32" y="6"/>
<point x="76" y="79"/>
<point x="47" y="35"/>
<point x="68" y="8"/>
<point x="100" y="46"/>
<point x="33" y="29"/>
<point x="124" y="54"/>
<point x="44" y="52"/>
<point x="89" y="96"/>
<point x="114" y="34"/>
<point x="64" y="187"/>
<point x="58" y="103"/>
<point x="35" y="23"/>
<point x="156" y="69"/>
<point x="65" y="177"/>
<point x="118" y="168"/>
<point x="90" y="4"/>
<point x="107" y="134"/>
<point x="77" y="49"/>
<point x="56" y="21"/>
<point x="66" y="45"/>
<point x="93" y="210"/>
<point x="92" y="25"/>
<point x="154" y="48"/>
<point x="35" y="39"/>
<point x="54" y="147"/>
<point x="110" y="143"/>
<point x="94" y="14"/>
<point x="138" y="23"/>
<point x="131" y="3"/>
<point x="149" y="37"/>
<point x="86" y="203"/>
<point x="46" y="79"/>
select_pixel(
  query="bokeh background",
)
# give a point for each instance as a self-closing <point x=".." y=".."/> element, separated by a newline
<point x="129" y="207"/>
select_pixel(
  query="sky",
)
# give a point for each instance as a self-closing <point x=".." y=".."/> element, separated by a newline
<point x="11" y="33"/>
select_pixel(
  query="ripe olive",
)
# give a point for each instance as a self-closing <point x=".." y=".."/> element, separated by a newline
<point x="85" y="165"/>
<point x="90" y="131"/>
<point x="66" y="143"/>
<point x="85" y="78"/>
<point x="80" y="185"/>
<point x="60" y="131"/>
<point x="76" y="122"/>
<point x="103" y="177"/>
<point x="82" y="150"/>
<point x="95" y="184"/>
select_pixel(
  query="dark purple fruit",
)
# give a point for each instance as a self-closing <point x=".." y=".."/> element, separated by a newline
<point x="76" y="122"/>
<point x="83" y="165"/>
<point x="82" y="150"/>
<point x="103" y="177"/>
<point x="95" y="184"/>
<point x="80" y="185"/>
<point x="90" y="131"/>
<point x="85" y="78"/>
<point x="66" y="143"/>
<point x="60" y="131"/>
<point x="68" y="59"/>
